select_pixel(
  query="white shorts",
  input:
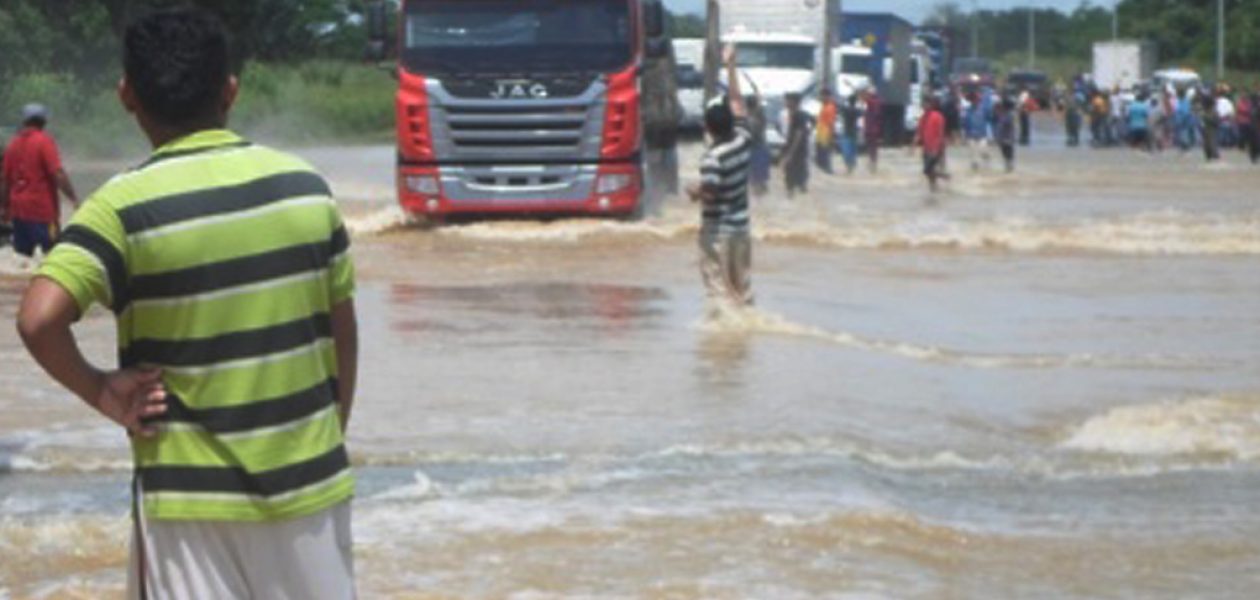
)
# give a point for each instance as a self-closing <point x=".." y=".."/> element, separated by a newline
<point x="307" y="558"/>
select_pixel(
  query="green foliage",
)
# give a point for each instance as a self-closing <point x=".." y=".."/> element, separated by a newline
<point x="1184" y="31"/>
<point x="299" y="83"/>
<point x="684" y="25"/>
<point x="315" y="101"/>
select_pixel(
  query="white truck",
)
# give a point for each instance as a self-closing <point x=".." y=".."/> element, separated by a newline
<point x="689" y="57"/>
<point x="1123" y="64"/>
<point x="779" y="50"/>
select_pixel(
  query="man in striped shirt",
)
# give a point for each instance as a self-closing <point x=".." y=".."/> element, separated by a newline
<point x="226" y="267"/>
<point x="725" y="245"/>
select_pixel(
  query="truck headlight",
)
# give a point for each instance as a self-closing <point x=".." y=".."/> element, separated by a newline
<point x="608" y="184"/>
<point x="421" y="184"/>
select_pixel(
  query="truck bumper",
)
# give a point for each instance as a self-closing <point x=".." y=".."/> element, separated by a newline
<point x="593" y="190"/>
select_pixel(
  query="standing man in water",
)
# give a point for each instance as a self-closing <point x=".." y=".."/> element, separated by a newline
<point x="227" y="267"/>
<point x="30" y="179"/>
<point x="725" y="244"/>
<point x="932" y="138"/>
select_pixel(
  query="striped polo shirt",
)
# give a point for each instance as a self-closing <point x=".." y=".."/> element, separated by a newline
<point x="724" y="168"/>
<point x="221" y="261"/>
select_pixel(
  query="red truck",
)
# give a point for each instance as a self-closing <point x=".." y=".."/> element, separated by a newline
<point x="525" y="107"/>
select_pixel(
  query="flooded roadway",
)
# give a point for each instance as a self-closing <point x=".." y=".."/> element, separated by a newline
<point x="1038" y="385"/>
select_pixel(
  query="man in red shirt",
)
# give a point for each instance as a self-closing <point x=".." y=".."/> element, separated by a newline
<point x="931" y="136"/>
<point x="29" y="180"/>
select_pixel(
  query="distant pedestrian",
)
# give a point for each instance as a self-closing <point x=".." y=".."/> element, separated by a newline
<point x="32" y="176"/>
<point x="725" y="245"/>
<point x="952" y="109"/>
<point x="850" y="117"/>
<point x="1226" y="112"/>
<point x="795" y="154"/>
<point x="1027" y="106"/>
<point x="1211" y="121"/>
<point x="1072" y="119"/>
<point x="1139" y="116"/>
<point x="227" y="266"/>
<point x="1255" y="126"/>
<point x="759" y="167"/>
<point x="1243" y="122"/>
<point x="825" y="132"/>
<point x="976" y="128"/>
<point x="932" y="138"/>
<point x="1004" y="132"/>
<point x="873" y="127"/>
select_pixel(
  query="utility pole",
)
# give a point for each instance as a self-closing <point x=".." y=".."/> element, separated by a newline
<point x="1220" y="41"/>
<point x="827" y="40"/>
<point x="712" y="49"/>
<point x="1115" y="21"/>
<point x="1032" y="38"/>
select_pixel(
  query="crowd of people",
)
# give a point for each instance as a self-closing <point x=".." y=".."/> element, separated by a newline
<point x="986" y="122"/>
<point x="1169" y="117"/>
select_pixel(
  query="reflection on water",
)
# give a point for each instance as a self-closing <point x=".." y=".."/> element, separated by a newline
<point x="609" y="309"/>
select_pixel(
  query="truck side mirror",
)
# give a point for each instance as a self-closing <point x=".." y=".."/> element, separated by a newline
<point x="375" y="16"/>
<point x="653" y="19"/>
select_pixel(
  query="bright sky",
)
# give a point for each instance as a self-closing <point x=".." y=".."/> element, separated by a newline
<point x="915" y="10"/>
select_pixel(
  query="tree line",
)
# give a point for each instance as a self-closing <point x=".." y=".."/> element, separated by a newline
<point x="1183" y="31"/>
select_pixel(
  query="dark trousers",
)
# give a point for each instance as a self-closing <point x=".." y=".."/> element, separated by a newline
<point x="1025" y="127"/>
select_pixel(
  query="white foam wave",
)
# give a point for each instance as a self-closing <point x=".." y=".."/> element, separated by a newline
<point x="15" y="265"/>
<point x="1154" y="233"/>
<point x="377" y="222"/>
<point x="1167" y="232"/>
<point x="725" y="318"/>
<point x="1226" y="427"/>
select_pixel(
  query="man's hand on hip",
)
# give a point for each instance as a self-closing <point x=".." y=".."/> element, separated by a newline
<point x="130" y="397"/>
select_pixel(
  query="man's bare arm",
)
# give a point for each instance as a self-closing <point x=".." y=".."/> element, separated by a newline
<point x="127" y="397"/>
<point x="735" y="96"/>
<point x="345" y="330"/>
<point x="66" y="186"/>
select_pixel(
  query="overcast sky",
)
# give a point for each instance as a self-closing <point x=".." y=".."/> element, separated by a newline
<point x="913" y="10"/>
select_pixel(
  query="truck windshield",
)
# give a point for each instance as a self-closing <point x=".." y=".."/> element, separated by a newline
<point x="856" y="64"/>
<point x="775" y="56"/>
<point x="511" y="36"/>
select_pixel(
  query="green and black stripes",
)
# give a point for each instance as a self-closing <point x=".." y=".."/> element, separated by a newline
<point x="109" y="258"/>
<point x="224" y="262"/>
<point x="237" y="480"/>
<point x="227" y="347"/>
<point x="245" y="270"/>
<point x="198" y="204"/>
<point x="262" y="414"/>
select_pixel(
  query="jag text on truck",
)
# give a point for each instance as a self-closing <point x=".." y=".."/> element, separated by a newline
<point x="520" y="107"/>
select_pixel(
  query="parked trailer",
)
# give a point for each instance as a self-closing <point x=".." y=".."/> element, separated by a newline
<point x="1123" y="64"/>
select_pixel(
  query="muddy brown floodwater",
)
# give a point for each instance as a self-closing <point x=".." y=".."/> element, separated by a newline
<point x="1041" y="385"/>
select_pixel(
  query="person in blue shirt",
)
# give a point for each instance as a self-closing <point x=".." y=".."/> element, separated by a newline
<point x="1139" y="114"/>
<point x="976" y="129"/>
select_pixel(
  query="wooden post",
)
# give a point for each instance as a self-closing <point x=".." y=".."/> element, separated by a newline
<point x="712" y="49"/>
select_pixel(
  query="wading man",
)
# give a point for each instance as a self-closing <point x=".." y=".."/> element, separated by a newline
<point x="725" y="245"/>
<point x="30" y="178"/>
<point x="226" y="266"/>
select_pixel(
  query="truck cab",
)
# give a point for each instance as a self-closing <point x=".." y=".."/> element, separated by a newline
<point x="521" y="106"/>
<point x="774" y="65"/>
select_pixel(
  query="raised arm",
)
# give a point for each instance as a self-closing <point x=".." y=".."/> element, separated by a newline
<point x="735" y="96"/>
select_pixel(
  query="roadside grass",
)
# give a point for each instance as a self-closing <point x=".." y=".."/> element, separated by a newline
<point x="303" y="104"/>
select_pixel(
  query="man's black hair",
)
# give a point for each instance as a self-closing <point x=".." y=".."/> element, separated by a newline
<point x="37" y="122"/>
<point x="719" y="119"/>
<point x="176" y="61"/>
